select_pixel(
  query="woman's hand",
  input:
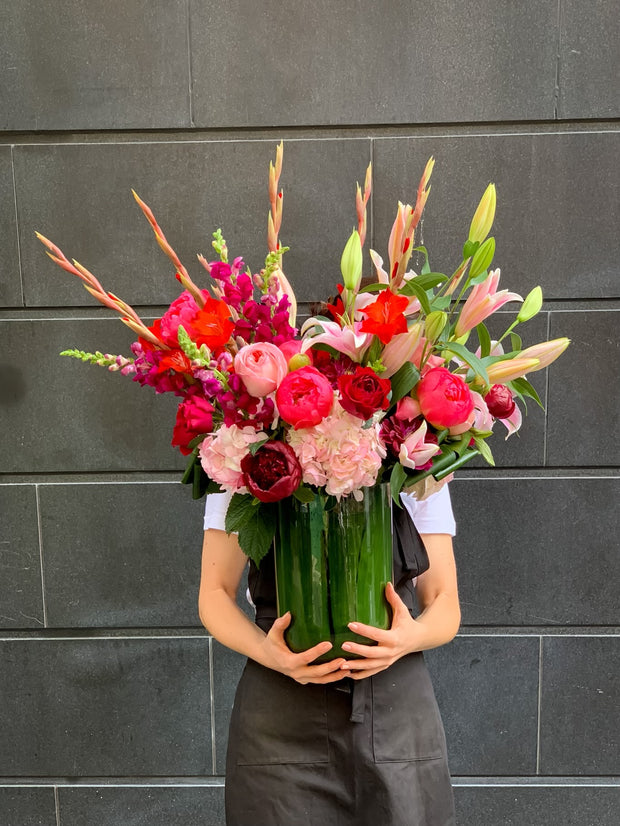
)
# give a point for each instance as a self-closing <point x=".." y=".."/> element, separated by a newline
<point x="277" y="655"/>
<point x="404" y="636"/>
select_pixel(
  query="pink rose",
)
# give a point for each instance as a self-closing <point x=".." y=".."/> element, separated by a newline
<point x="272" y="473"/>
<point x="304" y="397"/>
<point x="445" y="400"/>
<point x="261" y="367"/>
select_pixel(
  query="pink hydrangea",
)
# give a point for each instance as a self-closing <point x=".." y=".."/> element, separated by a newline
<point x="338" y="453"/>
<point x="221" y="454"/>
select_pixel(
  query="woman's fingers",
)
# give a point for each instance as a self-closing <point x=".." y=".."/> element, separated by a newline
<point x="377" y="634"/>
<point x="306" y="657"/>
<point x="361" y="675"/>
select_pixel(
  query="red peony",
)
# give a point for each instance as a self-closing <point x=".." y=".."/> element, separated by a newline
<point x="304" y="397"/>
<point x="194" y="417"/>
<point x="272" y="473"/>
<point x="363" y="392"/>
<point x="445" y="400"/>
<point x="500" y="401"/>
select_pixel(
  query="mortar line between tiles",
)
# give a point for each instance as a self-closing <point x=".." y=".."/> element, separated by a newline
<point x="546" y="422"/>
<point x="212" y="700"/>
<point x="56" y="805"/>
<point x="538" y="721"/>
<point x="19" y="246"/>
<point x="190" y="68"/>
<point x="558" y="51"/>
<point x="40" y="537"/>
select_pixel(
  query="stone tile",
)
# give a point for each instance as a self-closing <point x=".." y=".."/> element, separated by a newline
<point x="79" y="196"/>
<point x="584" y="391"/>
<point x="99" y="420"/>
<point x="10" y="278"/>
<point x="487" y="690"/>
<point x="27" y="806"/>
<point x="21" y="598"/>
<point x="589" y="60"/>
<point x="537" y="242"/>
<point x="536" y="806"/>
<point x="105" y="567"/>
<point x="527" y="552"/>
<point x="327" y="63"/>
<point x="142" y="806"/>
<point x="105" y="707"/>
<point x="227" y="668"/>
<point x="112" y="65"/>
<point x="580" y="715"/>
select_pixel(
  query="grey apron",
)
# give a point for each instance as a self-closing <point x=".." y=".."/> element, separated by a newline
<point x="353" y="753"/>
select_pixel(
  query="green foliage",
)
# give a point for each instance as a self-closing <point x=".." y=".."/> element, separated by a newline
<point x="255" y="523"/>
<point x="403" y="381"/>
<point x="469" y="358"/>
<point x="485" y="340"/>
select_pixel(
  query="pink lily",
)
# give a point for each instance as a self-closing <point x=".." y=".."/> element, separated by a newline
<point x="546" y="352"/>
<point x="513" y="422"/>
<point x="348" y="340"/>
<point x="399" y="350"/>
<point x="501" y="372"/>
<point x="414" y="451"/>
<point x="483" y="300"/>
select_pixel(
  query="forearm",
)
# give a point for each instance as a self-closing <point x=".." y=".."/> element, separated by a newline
<point x="225" y="621"/>
<point x="438" y="623"/>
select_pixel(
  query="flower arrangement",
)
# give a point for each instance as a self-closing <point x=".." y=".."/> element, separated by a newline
<point x="379" y="386"/>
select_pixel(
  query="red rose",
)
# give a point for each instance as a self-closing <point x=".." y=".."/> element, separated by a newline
<point x="445" y="400"/>
<point x="500" y="401"/>
<point x="363" y="392"/>
<point x="194" y="417"/>
<point x="304" y="397"/>
<point x="272" y="473"/>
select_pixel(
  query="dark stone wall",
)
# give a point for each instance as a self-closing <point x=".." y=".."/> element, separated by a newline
<point x="113" y="700"/>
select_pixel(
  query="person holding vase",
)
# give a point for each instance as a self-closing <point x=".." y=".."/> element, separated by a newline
<point x="351" y="741"/>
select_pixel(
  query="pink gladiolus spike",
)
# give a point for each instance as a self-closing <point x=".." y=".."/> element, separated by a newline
<point x="382" y="276"/>
<point x="361" y="203"/>
<point x="456" y="278"/>
<point x="395" y="244"/>
<point x="503" y="371"/>
<point x="546" y="352"/>
<point x="204" y="263"/>
<point x="482" y="302"/>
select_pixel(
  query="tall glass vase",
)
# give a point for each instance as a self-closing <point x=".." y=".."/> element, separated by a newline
<point x="332" y="565"/>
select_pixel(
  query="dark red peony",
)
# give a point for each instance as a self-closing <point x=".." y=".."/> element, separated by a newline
<point x="272" y="473"/>
<point x="500" y="401"/>
<point x="445" y="400"/>
<point x="363" y="393"/>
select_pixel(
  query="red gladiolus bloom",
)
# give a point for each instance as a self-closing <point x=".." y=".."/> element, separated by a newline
<point x="212" y="325"/>
<point x="272" y="473"/>
<point x="174" y="360"/>
<point x="445" y="400"/>
<point x="385" y="317"/>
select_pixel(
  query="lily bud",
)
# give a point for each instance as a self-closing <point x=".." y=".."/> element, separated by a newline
<point x="351" y="263"/>
<point x="434" y="324"/>
<point x="483" y="217"/>
<point x="502" y="371"/>
<point x="546" y="352"/>
<point x="531" y="306"/>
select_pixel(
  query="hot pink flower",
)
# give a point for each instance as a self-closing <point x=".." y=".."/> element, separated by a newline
<point x="415" y="451"/>
<point x="182" y="311"/>
<point x="445" y="399"/>
<point x="304" y="397"/>
<point x="194" y="417"/>
<point x="261" y="367"/>
<point x="482" y="302"/>
<point x="349" y="340"/>
<point x="221" y="454"/>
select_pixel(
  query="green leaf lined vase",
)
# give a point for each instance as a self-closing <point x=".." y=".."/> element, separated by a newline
<point x="333" y="561"/>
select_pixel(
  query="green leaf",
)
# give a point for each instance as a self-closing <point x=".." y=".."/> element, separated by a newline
<point x="257" y="533"/>
<point x="403" y="381"/>
<point x="531" y="306"/>
<point x="469" y="249"/>
<point x="304" y="494"/>
<point x="240" y="511"/>
<point x="374" y="288"/>
<point x="430" y="279"/>
<point x="201" y="482"/>
<point x="485" y="451"/>
<point x="461" y="446"/>
<point x="485" y="340"/>
<point x="397" y="480"/>
<point x="442" y="302"/>
<point x="413" y="288"/>
<point x="257" y="446"/>
<point x="482" y="258"/>
<point x="188" y="476"/>
<point x="515" y="342"/>
<point x="524" y="388"/>
<point x="469" y="358"/>
<point x="426" y="267"/>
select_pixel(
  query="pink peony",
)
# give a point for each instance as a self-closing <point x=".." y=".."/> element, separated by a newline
<point x="304" y="397"/>
<point x="222" y="452"/>
<point x="182" y="311"/>
<point x="445" y="400"/>
<point x="261" y="367"/>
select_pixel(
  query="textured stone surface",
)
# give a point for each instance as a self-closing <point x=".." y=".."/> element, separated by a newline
<point x="27" y="806"/>
<point x="76" y="65"/>
<point x="113" y="707"/>
<point x="572" y="253"/>
<point x="142" y="806"/>
<point x="580" y="715"/>
<point x="10" y="278"/>
<point x="21" y="598"/>
<point x="589" y="60"/>
<point x="487" y="689"/>
<point x="518" y="542"/>
<point x="227" y="668"/>
<point x="80" y="197"/>
<point x="65" y="415"/>
<point x="535" y="806"/>
<point x="107" y="566"/>
<point x="357" y="63"/>
<point x="584" y="391"/>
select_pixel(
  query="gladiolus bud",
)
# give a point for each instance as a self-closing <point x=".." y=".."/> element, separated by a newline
<point x="502" y="371"/>
<point x="483" y="217"/>
<point x="434" y="324"/>
<point x="546" y="352"/>
<point x="351" y="263"/>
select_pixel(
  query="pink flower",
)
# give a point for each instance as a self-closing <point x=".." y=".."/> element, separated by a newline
<point x="339" y="453"/>
<point x="423" y="348"/>
<point x="445" y="400"/>
<point x="349" y="340"/>
<point x="415" y="451"/>
<point x="513" y="422"/>
<point x="400" y="350"/>
<point x="304" y="397"/>
<point x="407" y="408"/>
<point x="261" y="367"/>
<point x="481" y="302"/>
<point x="182" y="311"/>
<point x="221" y="454"/>
<point x="194" y="417"/>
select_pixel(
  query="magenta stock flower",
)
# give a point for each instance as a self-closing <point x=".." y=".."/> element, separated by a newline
<point x="483" y="300"/>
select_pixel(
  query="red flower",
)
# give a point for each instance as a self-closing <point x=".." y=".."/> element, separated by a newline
<point x="445" y="400"/>
<point x="212" y="325"/>
<point x="194" y="417"/>
<point x="304" y="397"/>
<point x="174" y="360"/>
<point x="500" y="401"/>
<point x="272" y="473"/>
<point x="385" y="317"/>
<point x="363" y="392"/>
